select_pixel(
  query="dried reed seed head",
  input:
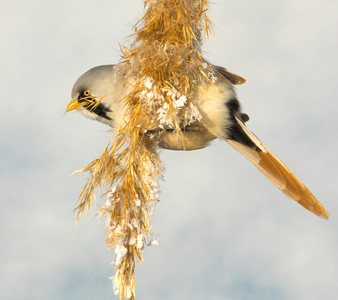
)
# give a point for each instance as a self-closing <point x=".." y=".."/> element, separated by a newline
<point x="181" y="18"/>
<point x="166" y="49"/>
<point x="169" y="38"/>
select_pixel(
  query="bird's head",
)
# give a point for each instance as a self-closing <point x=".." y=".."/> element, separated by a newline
<point x="97" y="95"/>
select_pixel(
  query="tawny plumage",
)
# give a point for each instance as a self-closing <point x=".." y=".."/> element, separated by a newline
<point x="221" y="117"/>
<point x="278" y="173"/>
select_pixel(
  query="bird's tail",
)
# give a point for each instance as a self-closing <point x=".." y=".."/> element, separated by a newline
<point x="278" y="173"/>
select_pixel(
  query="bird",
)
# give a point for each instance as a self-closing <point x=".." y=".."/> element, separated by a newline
<point x="98" y="94"/>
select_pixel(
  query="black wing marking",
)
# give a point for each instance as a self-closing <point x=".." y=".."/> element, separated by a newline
<point x="235" y="132"/>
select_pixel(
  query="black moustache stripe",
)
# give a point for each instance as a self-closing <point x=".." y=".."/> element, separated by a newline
<point x="101" y="111"/>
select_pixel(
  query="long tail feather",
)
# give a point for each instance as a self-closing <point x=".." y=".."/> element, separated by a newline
<point x="278" y="173"/>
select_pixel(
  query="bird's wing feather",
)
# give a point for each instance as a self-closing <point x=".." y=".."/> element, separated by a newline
<point x="232" y="77"/>
<point x="278" y="173"/>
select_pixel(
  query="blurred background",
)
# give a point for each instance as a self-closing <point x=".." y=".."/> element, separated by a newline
<point x="225" y="231"/>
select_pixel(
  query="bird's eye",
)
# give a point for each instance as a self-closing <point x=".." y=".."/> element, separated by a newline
<point x="86" y="93"/>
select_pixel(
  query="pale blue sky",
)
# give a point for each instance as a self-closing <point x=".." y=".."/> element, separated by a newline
<point x="226" y="232"/>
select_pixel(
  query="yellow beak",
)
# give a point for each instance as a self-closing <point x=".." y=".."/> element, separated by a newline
<point x="73" y="105"/>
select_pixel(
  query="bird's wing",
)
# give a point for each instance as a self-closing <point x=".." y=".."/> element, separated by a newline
<point x="232" y="77"/>
<point x="277" y="172"/>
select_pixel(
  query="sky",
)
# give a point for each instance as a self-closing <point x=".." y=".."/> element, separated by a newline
<point x="225" y="231"/>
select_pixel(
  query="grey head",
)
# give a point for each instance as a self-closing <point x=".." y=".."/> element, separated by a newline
<point x="98" y="94"/>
